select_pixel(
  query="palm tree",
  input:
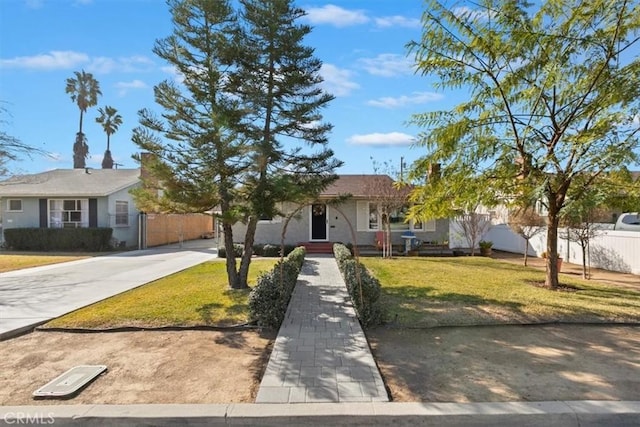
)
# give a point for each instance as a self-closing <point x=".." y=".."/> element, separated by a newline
<point x="84" y="91"/>
<point x="110" y="120"/>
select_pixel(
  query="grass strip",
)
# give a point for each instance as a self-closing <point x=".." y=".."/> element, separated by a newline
<point x="424" y="292"/>
<point x="196" y="296"/>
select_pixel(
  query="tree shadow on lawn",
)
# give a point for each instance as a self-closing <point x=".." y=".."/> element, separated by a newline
<point x="426" y="307"/>
<point x="217" y="314"/>
<point x="588" y="303"/>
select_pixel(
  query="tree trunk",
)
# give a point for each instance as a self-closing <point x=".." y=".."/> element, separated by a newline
<point x="526" y="251"/>
<point x="232" y="274"/>
<point x="585" y="275"/>
<point x="551" y="281"/>
<point x="387" y="240"/>
<point x="247" y="253"/>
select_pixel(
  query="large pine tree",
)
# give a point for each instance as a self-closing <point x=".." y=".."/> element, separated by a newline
<point x="228" y="136"/>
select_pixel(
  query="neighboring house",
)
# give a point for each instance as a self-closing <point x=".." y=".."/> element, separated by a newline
<point x="73" y="198"/>
<point x="323" y="222"/>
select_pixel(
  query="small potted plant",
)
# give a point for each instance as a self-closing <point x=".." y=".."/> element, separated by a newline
<point x="558" y="260"/>
<point x="485" y="247"/>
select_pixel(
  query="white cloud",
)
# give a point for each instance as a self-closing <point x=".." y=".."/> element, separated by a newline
<point x="336" y="16"/>
<point x="106" y="65"/>
<point x="387" y="65"/>
<point x="397" y="21"/>
<point x="403" y="101"/>
<point x="390" y="139"/>
<point x="54" y="60"/>
<point x="68" y="60"/>
<point x="337" y="81"/>
<point x="125" y="87"/>
<point x="175" y="74"/>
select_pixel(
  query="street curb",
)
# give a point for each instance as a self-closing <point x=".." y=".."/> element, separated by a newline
<point x="548" y="414"/>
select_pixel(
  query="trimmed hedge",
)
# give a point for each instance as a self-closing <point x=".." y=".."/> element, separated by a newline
<point x="59" y="239"/>
<point x="270" y="297"/>
<point x="366" y="294"/>
<point x="238" y="250"/>
<point x="265" y="250"/>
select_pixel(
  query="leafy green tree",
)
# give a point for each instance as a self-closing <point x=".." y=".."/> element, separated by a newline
<point x="552" y="94"/>
<point x="84" y="91"/>
<point x="110" y="121"/>
<point x="228" y="137"/>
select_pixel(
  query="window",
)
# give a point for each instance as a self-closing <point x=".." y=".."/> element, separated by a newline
<point x="369" y="218"/>
<point x="373" y="217"/>
<point x="268" y="219"/>
<point x="68" y="213"/>
<point x="14" y="205"/>
<point x="397" y="219"/>
<point x="122" y="213"/>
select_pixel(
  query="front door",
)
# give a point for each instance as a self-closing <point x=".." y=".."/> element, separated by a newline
<point x="319" y="223"/>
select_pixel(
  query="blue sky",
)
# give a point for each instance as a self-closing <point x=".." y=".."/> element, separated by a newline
<point x="360" y="42"/>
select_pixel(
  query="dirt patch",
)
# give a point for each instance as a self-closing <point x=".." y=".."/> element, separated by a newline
<point x="510" y="363"/>
<point x="143" y="367"/>
<point x="466" y="364"/>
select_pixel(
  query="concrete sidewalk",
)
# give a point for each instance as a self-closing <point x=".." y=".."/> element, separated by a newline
<point x="32" y="296"/>
<point x="547" y="414"/>
<point x="321" y="353"/>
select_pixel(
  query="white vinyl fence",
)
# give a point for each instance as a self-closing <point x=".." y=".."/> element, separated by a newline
<point x="609" y="249"/>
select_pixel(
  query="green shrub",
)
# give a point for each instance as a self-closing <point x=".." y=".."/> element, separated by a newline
<point x="363" y="288"/>
<point x="258" y="249"/>
<point x="238" y="250"/>
<point x="271" y="251"/>
<point x="341" y="253"/>
<point x="59" y="239"/>
<point x="270" y="297"/>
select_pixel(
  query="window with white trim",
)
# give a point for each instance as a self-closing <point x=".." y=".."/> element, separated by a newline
<point x="369" y="218"/>
<point x="68" y="213"/>
<point x="14" y="205"/>
<point x="267" y="219"/>
<point x="122" y="213"/>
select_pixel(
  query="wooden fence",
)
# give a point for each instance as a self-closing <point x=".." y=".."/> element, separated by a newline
<point x="164" y="229"/>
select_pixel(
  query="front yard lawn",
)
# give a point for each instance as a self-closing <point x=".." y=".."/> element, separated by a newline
<point x="196" y="296"/>
<point x="18" y="261"/>
<point x="423" y="292"/>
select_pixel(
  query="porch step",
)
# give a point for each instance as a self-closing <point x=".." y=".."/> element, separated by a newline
<point x="318" y="247"/>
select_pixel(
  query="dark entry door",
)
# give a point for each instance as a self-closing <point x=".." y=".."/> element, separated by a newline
<point x="318" y="221"/>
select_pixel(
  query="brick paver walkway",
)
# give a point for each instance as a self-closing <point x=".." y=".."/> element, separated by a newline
<point x="321" y="353"/>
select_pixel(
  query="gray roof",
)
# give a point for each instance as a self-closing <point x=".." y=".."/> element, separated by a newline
<point x="70" y="182"/>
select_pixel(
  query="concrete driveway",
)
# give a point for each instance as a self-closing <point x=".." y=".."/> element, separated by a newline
<point x="36" y="295"/>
